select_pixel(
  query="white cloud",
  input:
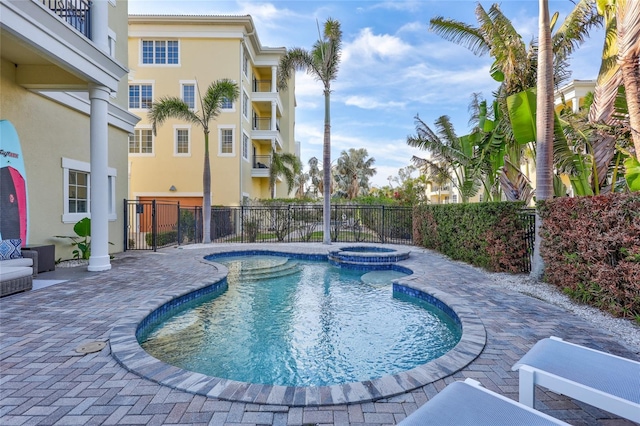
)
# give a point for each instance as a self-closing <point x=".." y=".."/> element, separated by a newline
<point x="367" y="102"/>
<point x="414" y="27"/>
<point x="368" y="46"/>
<point x="408" y="5"/>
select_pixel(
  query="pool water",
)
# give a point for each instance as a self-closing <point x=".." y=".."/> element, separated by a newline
<point x="311" y="325"/>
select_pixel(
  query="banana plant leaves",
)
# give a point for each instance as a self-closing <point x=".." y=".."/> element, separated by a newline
<point x="522" y="114"/>
<point x="632" y="174"/>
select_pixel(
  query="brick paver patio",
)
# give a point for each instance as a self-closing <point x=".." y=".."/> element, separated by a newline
<point x="45" y="381"/>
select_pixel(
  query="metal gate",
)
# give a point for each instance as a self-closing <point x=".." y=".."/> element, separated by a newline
<point x="152" y="224"/>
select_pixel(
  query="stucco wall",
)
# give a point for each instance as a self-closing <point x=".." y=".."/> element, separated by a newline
<point x="48" y="132"/>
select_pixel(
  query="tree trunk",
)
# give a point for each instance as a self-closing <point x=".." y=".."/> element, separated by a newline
<point x="206" y="193"/>
<point x="326" y="169"/>
<point x="544" y="128"/>
<point x="630" y="75"/>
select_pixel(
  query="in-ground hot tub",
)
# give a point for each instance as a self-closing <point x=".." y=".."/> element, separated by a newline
<point x="367" y="257"/>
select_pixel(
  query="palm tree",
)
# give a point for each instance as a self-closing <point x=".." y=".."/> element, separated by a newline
<point x="352" y="172"/>
<point x="321" y="62"/>
<point x="544" y="127"/>
<point x="285" y="165"/>
<point x="301" y="182"/>
<point x="452" y="157"/>
<point x="515" y="62"/>
<point x="315" y="175"/>
<point x="620" y="66"/>
<point x="173" y="107"/>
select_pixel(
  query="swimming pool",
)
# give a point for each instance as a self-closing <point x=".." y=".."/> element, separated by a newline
<point x="195" y="276"/>
<point x="292" y="323"/>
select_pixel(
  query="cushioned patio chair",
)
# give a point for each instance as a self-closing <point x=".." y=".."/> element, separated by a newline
<point x="606" y="381"/>
<point x="468" y="403"/>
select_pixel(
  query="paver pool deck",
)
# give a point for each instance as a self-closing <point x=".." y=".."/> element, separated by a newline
<point x="43" y="380"/>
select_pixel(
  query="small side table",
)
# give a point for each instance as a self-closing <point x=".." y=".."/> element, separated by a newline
<point x="46" y="257"/>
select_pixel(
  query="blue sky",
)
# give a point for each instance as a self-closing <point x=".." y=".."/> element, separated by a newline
<point x="392" y="67"/>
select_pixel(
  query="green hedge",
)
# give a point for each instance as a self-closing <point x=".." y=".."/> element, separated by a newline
<point x="163" y="238"/>
<point x="591" y="250"/>
<point x="489" y="235"/>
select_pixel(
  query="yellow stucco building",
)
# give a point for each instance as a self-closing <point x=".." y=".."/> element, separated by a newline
<point x="65" y="123"/>
<point x="181" y="56"/>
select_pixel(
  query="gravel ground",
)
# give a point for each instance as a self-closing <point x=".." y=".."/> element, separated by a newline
<point x="628" y="331"/>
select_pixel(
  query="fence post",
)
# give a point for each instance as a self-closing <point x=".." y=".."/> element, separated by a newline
<point x="154" y="225"/>
<point x="289" y="225"/>
<point x="126" y="225"/>
<point x="179" y="234"/>
<point x="383" y="228"/>
<point x="242" y="223"/>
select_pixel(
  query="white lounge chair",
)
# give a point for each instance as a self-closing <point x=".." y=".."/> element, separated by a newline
<point x="468" y="403"/>
<point x="606" y="381"/>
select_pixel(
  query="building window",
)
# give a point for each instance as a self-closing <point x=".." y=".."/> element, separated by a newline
<point x="454" y="198"/>
<point x="245" y="146"/>
<point x="481" y="197"/>
<point x="140" y="96"/>
<point x="160" y="52"/>
<point x="226" y="104"/>
<point x="112" y="43"/>
<point x="245" y="105"/>
<point x="226" y="137"/>
<point x="182" y="145"/>
<point x="189" y="94"/>
<point x="141" y="142"/>
<point x="77" y="191"/>
<point x="78" y="200"/>
<point x="245" y="64"/>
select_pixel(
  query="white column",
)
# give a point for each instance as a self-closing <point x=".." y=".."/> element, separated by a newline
<point x="99" y="127"/>
<point x="100" y="24"/>
<point x="273" y="115"/>
<point x="274" y="79"/>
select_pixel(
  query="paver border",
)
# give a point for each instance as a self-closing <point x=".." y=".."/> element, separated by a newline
<point x="129" y="354"/>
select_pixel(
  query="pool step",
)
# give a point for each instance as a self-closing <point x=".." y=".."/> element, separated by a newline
<point x="284" y="270"/>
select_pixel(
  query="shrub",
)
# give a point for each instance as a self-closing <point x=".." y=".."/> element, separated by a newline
<point x="162" y="238"/>
<point x="489" y="235"/>
<point x="591" y="250"/>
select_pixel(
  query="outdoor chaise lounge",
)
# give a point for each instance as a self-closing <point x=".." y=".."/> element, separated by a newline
<point x="468" y="403"/>
<point x="597" y="378"/>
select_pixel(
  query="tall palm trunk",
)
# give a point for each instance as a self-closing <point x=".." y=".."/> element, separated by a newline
<point x="631" y="77"/>
<point x="628" y="16"/>
<point x="544" y="127"/>
<point x="326" y="169"/>
<point x="206" y="193"/>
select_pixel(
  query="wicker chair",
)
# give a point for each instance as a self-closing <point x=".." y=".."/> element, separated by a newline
<point x="21" y="283"/>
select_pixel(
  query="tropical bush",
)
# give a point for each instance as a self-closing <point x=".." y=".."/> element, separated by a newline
<point x="162" y="238"/>
<point x="489" y="235"/>
<point x="82" y="240"/>
<point x="591" y="250"/>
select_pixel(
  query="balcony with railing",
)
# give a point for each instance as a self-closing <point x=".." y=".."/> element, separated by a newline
<point x="76" y="13"/>
<point x="60" y="44"/>
<point x="262" y="86"/>
<point x="264" y="123"/>
<point x="441" y="189"/>
<point x="261" y="164"/>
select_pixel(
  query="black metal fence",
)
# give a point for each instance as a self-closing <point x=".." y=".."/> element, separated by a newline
<point x="303" y="223"/>
<point x="528" y="223"/>
<point x="149" y="225"/>
<point x="153" y="224"/>
<point x="76" y="12"/>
